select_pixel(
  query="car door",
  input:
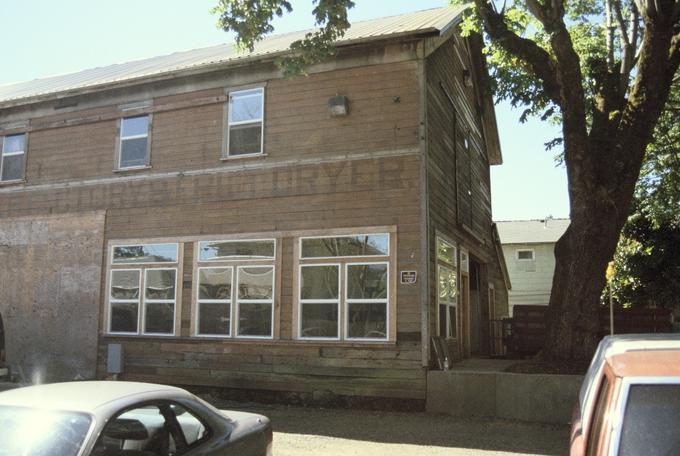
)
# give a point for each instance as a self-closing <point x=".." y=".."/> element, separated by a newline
<point x="156" y="428"/>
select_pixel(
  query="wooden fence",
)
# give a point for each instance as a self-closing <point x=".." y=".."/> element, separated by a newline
<point x="527" y="329"/>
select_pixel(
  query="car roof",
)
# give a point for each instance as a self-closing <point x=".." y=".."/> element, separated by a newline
<point x="621" y="343"/>
<point x="647" y="363"/>
<point x="84" y="396"/>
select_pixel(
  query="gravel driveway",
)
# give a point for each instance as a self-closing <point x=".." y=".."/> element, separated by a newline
<point x="313" y="431"/>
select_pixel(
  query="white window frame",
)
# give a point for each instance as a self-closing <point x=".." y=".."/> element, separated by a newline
<point x="122" y="138"/>
<point x="443" y="263"/>
<point x="200" y="301"/>
<point x="111" y="301"/>
<point x="302" y="258"/>
<point x="142" y="267"/>
<point x="301" y="301"/>
<point x="4" y="154"/>
<point x="348" y="301"/>
<point x="236" y="263"/>
<point x="173" y="301"/>
<point x="344" y="262"/>
<point x="238" y="301"/>
<point x="533" y="254"/>
<point x="260" y="91"/>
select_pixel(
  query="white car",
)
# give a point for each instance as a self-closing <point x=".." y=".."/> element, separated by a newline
<point x="107" y="418"/>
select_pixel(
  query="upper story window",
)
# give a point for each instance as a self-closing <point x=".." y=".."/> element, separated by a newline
<point x="525" y="254"/>
<point x="134" y="142"/>
<point x="13" y="157"/>
<point x="245" y="123"/>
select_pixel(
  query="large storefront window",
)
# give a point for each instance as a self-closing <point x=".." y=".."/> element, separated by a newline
<point x="447" y="289"/>
<point x="343" y="290"/>
<point x="142" y="289"/>
<point x="235" y="278"/>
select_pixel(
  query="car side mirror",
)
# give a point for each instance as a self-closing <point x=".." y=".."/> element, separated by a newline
<point x="126" y="429"/>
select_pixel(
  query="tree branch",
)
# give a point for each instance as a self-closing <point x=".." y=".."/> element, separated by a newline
<point x="540" y="62"/>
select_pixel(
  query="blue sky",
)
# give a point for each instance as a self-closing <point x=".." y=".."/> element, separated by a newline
<point x="46" y="37"/>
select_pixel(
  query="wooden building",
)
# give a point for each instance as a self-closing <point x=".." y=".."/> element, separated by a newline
<point x="231" y="228"/>
<point x="529" y="250"/>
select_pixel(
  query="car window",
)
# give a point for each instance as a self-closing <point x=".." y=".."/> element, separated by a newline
<point x="33" y="432"/>
<point x="598" y="418"/>
<point x="651" y="421"/>
<point x="159" y="429"/>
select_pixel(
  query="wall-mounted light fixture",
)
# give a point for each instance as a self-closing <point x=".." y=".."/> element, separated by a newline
<point x="467" y="77"/>
<point x="338" y="106"/>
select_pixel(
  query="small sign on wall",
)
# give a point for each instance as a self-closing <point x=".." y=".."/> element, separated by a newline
<point x="408" y="277"/>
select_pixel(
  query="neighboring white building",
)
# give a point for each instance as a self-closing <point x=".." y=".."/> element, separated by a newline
<point x="529" y="250"/>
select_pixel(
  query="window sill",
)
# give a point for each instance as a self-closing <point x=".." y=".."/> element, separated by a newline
<point x="12" y="182"/>
<point x="131" y="169"/>
<point x="266" y="342"/>
<point x="242" y="157"/>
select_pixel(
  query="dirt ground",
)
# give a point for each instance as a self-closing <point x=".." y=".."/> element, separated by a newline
<point x="335" y="432"/>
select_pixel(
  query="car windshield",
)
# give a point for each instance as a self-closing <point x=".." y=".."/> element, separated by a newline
<point x="651" y="421"/>
<point x="33" y="432"/>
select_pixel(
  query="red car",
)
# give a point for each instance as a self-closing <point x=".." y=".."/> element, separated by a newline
<point x="630" y="399"/>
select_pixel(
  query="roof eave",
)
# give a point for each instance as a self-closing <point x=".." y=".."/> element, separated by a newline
<point x="167" y="75"/>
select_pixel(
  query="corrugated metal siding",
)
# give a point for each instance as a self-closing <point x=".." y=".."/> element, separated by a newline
<point x="433" y="20"/>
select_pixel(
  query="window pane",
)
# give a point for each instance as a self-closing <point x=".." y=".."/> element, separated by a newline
<point x="255" y="320"/>
<point x="246" y="106"/>
<point x="366" y="281"/>
<point x="160" y="284"/>
<point x="367" y="245"/>
<point x="124" y="317"/>
<point x="319" y="320"/>
<point x="214" y="283"/>
<point x="133" y="126"/>
<point x="236" y="250"/>
<point x="13" y="167"/>
<point x="214" y="319"/>
<point x="319" y="282"/>
<point x="13" y="143"/>
<point x="125" y="284"/>
<point x="34" y="431"/>
<point x="133" y="152"/>
<point x="245" y="139"/>
<point x="160" y="318"/>
<point x="255" y="283"/>
<point x="150" y="253"/>
<point x="367" y="320"/>
<point x="442" y="320"/>
<point x="447" y="285"/>
<point x="651" y="421"/>
<point x="525" y="254"/>
<point x="452" y="321"/>
<point x="446" y="252"/>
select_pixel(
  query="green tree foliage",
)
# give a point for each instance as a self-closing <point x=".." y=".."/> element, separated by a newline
<point x="602" y="69"/>
<point x="647" y="258"/>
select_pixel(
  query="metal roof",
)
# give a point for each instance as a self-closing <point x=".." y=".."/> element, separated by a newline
<point x="433" y="20"/>
<point x="531" y="231"/>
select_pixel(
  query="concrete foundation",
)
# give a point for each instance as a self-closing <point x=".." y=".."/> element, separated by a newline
<point x="50" y="276"/>
<point x="526" y="397"/>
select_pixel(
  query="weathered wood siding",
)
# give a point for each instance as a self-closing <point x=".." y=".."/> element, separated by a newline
<point x="318" y="173"/>
<point x="459" y="191"/>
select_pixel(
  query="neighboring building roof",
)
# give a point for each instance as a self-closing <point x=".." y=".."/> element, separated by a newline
<point x="436" y="20"/>
<point x="531" y="231"/>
